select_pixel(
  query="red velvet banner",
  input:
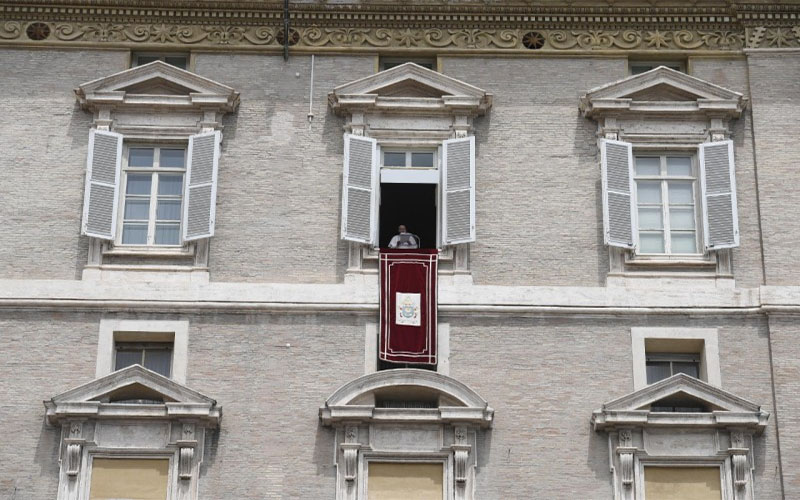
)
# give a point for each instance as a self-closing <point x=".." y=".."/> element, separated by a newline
<point x="408" y="305"/>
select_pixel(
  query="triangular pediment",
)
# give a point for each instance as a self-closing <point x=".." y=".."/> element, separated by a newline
<point x="682" y="387"/>
<point x="661" y="90"/>
<point x="408" y="87"/>
<point x="144" y="85"/>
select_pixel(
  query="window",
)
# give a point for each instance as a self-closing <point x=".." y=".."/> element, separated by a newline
<point x="661" y="366"/>
<point x="390" y="62"/>
<point x="156" y="356"/>
<point x="638" y="67"/>
<point x="152" y="206"/>
<point x="666" y="194"/>
<point x="403" y="481"/>
<point x="178" y="60"/>
<point x="140" y="479"/>
<point x="412" y="159"/>
<point x="160" y="346"/>
<point x="682" y="483"/>
<point x="660" y="353"/>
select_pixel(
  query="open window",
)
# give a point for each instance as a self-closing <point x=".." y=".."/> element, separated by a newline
<point x="409" y="159"/>
<point x="681" y="438"/>
<point x="131" y="434"/>
<point x="406" y="434"/>
<point x="668" y="172"/>
<point x="152" y="167"/>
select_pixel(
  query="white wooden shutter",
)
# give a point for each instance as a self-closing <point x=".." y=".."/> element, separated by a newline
<point x="359" y="189"/>
<point x="718" y="184"/>
<point x="100" y="200"/>
<point x="199" y="207"/>
<point x="619" y="210"/>
<point x="458" y="186"/>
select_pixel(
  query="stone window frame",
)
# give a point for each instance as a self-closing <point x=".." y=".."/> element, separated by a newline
<point x="447" y="433"/>
<point x="112" y="330"/>
<point x="665" y="124"/>
<point x="709" y="357"/>
<point x="385" y="119"/>
<point x="128" y="116"/>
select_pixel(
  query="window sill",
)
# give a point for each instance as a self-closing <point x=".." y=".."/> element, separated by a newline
<point x="445" y="254"/>
<point x="187" y="250"/>
<point x="672" y="261"/>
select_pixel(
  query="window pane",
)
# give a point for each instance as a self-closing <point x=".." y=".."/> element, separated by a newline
<point x="422" y="159"/>
<point x="688" y="367"/>
<point x="168" y="210"/>
<point x="170" y="184"/>
<point x="681" y="218"/>
<point x="140" y="157"/>
<point x="680" y="192"/>
<point x="648" y="191"/>
<point x="178" y="61"/>
<point x="137" y="209"/>
<point x="394" y="159"/>
<point x="679" y="165"/>
<point x="683" y="242"/>
<point x="134" y="234"/>
<point x="651" y="242"/>
<point x="405" y="481"/>
<point x="138" y="184"/>
<point x="650" y="218"/>
<point x="145" y="59"/>
<point x="682" y="483"/>
<point x="127" y="358"/>
<point x="168" y="234"/>
<point x="158" y="360"/>
<point x="648" y="165"/>
<point x="172" y="158"/>
<point x="139" y="478"/>
<point x="657" y="370"/>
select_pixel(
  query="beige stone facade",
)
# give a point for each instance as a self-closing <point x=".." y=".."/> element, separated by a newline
<point x="546" y="331"/>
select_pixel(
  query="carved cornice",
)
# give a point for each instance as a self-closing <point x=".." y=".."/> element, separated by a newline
<point x="371" y="27"/>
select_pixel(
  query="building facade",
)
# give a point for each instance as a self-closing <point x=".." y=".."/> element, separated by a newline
<point x="195" y="194"/>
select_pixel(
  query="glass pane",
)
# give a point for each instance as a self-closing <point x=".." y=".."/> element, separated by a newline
<point x="127" y="358"/>
<point x="132" y="478"/>
<point x="145" y="59"/>
<point x="681" y="218"/>
<point x="405" y="481"/>
<point x="134" y="234"/>
<point x="137" y="209"/>
<point x="648" y="165"/>
<point x="650" y="218"/>
<point x="170" y="185"/>
<point x="651" y="242"/>
<point x="657" y="370"/>
<point x="178" y="61"/>
<point x="168" y="210"/>
<point x="394" y="159"/>
<point x="168" y="234"/>
<point x="648" y="191"/>
<point x="679" y="165"/>
<point x="172" y="158"/>
<point x="140" y="157"/>
<point x="158" y="360"/>
<point x="138" y="184"/>
<point x="688" y="367"/>
<point x="680" y="192"/>
<point x="683" y="242"/>
<point x="422" y="159"/>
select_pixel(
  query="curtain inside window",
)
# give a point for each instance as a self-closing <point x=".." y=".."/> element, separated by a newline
<point x="131" y="479"/>
<point x="401" y="481"/>
<point x="682" y="483"/>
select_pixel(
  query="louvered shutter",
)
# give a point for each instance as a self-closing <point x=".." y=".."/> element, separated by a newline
<point x="619" y="211"/>
<point x="458" y="186"/>
<point x="199" y="207"/>
<point x="103" y="167"/>
<point x="718" y="184"/>
<point x="359" y="189"/>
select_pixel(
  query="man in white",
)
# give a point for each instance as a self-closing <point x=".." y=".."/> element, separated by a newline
<point x="404" y="239"/>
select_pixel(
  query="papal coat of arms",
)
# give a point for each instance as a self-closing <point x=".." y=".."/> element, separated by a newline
<point x="408" y="312"/>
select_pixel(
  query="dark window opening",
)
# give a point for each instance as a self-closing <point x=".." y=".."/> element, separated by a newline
<point x="386" y="365"/>
<point x="679" y="403"/>
<point x="178" y="60"/>
<point x="638" y="67"/>
<point x="661" y="366"/>
<point x="412" y="205"/>
<point x="155" y="356"/>
<point x="391" y="62"/>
